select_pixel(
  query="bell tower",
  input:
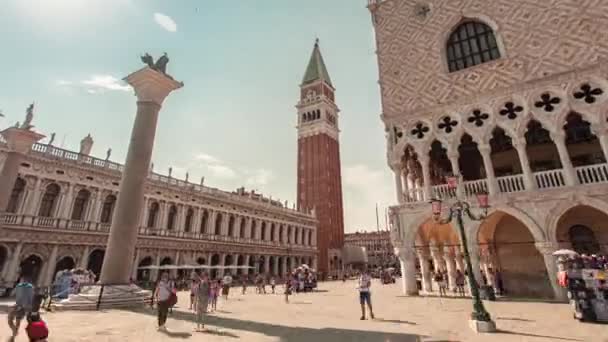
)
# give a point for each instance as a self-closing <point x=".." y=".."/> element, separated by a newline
<point x="319" y="173"/>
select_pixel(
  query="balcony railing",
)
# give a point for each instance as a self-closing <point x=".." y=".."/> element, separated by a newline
<point x="89" y="226"/>
<point x="552" y="179"/>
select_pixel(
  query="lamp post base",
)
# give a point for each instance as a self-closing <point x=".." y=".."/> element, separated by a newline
<point x="482" y="326"/>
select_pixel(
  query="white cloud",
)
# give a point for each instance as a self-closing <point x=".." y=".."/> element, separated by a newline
<point x="101" y="83"/>
<point x="63" y="83"/>
<point x="165" y="22"/>
<point x="207" y="158"/>
<point x="259" y="177"/>
<point x="363" y="189"/>
<point x="222" y="171"/>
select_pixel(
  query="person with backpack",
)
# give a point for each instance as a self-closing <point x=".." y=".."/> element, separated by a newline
<point x="24" y="299"/>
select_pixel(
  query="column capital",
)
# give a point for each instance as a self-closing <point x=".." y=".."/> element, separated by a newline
<point x="484" y="148"/>
<point x="546" y="247"/>
<point x="20" y="140"/>
<point x="152" y="86"/>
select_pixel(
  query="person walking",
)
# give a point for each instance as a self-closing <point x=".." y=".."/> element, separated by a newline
<point x="162" y="294"/>
<point x="37" y="330"/>
<point x="244" y="280"/>
<point x="439" y="279"/>
<point x="226" y="282"/>
<point x="213" y="294"/>
<point x="287" y="288"/>
<point x="202" y="301"/>
<point x="24" y="299"/>
<point x="365" y="296"/>
<point x="193" y="290"/>
<point x="272" y="284"/>
<point x="460" y="283"/>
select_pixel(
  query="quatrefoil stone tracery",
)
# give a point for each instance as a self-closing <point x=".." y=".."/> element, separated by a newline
<point x="511" y="110"/>
<point x="447" y="124"/>
<point x="478" y="117"/>
<point x="547" y="102"/>
<point x="419" y="130"/>
<point x="588" y="93"/>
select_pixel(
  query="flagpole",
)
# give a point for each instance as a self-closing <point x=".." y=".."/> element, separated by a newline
<point x="377" y="219"/>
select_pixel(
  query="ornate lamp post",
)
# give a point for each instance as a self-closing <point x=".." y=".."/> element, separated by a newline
<point x="480" y="318"/>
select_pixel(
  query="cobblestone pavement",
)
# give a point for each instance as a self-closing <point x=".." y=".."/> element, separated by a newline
<point x="329" y="315"/>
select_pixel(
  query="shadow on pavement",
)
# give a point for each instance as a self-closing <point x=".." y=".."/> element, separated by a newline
<point x="553" y="338"/>
<point x="394" y="321"/>
<point x="295" y="334"/>
<point x="176" y="334"/>
<point x="514" y="319"/>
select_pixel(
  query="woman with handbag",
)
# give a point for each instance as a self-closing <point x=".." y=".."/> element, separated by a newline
<point x="163" y="294"/>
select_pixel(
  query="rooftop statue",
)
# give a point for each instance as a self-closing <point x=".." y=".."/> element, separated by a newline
<point x="160" y="65"/>
<point x="29" y="116"/>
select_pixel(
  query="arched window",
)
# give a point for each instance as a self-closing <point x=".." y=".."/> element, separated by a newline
<point x="583" y="240"/>
<point x="49" y="199"/>
<point x="188" y="220"/>
<point x="171" y="217"/>
<point x="242" y="228"/>
<point x="471" y="43"/>
<point x="108" y="209"/>
<point x="152" y="215"/>
<point x="218" y="224"/>
<point x="204" y="219"/>
<point x="16" y="195"/>
<point x="80" y="205"/>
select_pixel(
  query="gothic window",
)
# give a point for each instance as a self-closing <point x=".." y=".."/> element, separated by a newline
<point x="188" y="220"/>
<point x="204" y="219"/>
<point x="577" y="129"/>
<point x="152" y="215"/>
<point x="218" y="224"/>
<point x="16" y="195"/>
<point x="588" y="93"/>
<point x="547" y="102"/>
<point x="108" y="209"/>
<point x="471" y="43"/>
<point x="511" y="110"/>
<point x="171" y="217"/>
<point x="419" y="130"/>
<point x="80" y="205"/>
<point x="536" y="134"/>
<point x="447" y="124"/>
<point x="49" y="200"/>
<point x="478" y="117"/>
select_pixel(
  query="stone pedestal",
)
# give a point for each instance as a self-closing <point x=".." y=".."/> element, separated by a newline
<point x="19" y="143"/>
<point x="151" y="88"/>
<point x="482" y="326"/>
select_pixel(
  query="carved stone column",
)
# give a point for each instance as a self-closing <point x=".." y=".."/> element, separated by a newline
<point x="426" y="176"/>
<point x="65" y="206"/>
<point x="520" y="146"/>
<point x="49" y="274"/>
<point x="559" y="138"/>
<point x="398" y="170"/>
<point x="151" y="88"/>
<point x="34" y="199"/>
<point x="19" y="142"/>
<point x="84" y="258"/>
<point x="486" y="151"/>
<point x="407" y="258"/>
<point x="425" y="269"/>
<point x="13" y="267"/>
<point x="450" y="264"/>
<point x="547" y="249"/>
<point x="453" y="156"/>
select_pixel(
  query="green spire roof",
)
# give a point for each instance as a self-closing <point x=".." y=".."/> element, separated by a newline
<point x="316" y="69"/>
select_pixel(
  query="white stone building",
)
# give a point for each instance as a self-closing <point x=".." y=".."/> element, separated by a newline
<point x="61" y="207"/>
<point x="511" y="96"/>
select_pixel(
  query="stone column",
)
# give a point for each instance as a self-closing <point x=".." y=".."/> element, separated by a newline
<point x="486" y="151"/>
<point x="143" y="221"/>
<point x="425" y="270"/>
<point x="13" y="266"/>
<point x="398" y="170"/>
<point x="211" y="223"/>
<point x="426" y="176"/>
<point x="407" y="258"/>
<point x="65" y="205"/>
<point x="19" y="142"/>
<point x="450" y="263"/>
<point x="284" y="262"/>
<point x="266" y="264"/>
<point x="196" y="221"/>
<point x="135" y="265"/>
<point x="459" y="261"/>
<point x="220" y="271"/>
<point x="547" y="249"/>
<point x="248" y="228"/>
<point x="154" y="272"/>
<point x="151" y="88"/>
<point x="84" y="259"/>
<point x="34" y="199"/>
<point x="96" y="206"/>
<point x="559" y="138"/>
<point x="48" y="276"/>
<point x="453" y="157"/>
<point x="520" y="146"/>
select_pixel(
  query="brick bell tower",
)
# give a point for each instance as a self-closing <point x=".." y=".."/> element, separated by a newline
<point x="319" y="174"/>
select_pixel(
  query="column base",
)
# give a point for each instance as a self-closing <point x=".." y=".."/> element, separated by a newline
<point x="482" y="326"/>
<point x="92" y="297"/>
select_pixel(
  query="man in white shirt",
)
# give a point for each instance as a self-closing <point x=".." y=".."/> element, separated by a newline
<point x="226" y="281"/>
<point x="365" y="282"/>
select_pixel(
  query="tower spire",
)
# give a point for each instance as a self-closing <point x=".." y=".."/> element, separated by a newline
<point x="316" y="70"/>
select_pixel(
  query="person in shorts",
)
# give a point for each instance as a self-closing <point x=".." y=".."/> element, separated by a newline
<point x="193" y="290"/>
<point x="365" y="296"/>
<point x="24" y="299"/>
<point x="226" y="282"/>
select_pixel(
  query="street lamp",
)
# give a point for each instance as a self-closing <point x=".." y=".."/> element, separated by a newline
<point x="479" y="317"/>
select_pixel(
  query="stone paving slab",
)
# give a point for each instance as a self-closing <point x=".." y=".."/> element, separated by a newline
<point x="329" y="315"/>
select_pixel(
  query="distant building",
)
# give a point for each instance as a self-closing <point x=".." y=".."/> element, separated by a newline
<point x="377" y="245"/>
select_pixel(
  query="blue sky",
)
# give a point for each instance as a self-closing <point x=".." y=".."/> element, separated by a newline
<point x="241" y="62"/>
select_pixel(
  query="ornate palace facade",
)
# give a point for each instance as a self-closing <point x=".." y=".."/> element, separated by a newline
<point x="377" y="244"/>
<point x="511" y="97"/>
<point x="61" y="207"/>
